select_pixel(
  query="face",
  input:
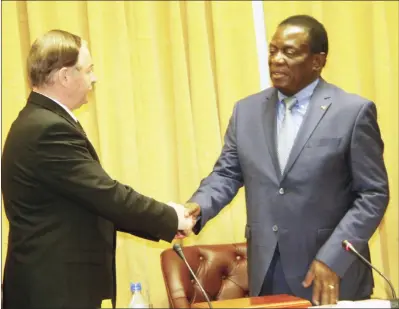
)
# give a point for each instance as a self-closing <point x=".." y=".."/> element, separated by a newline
<point x="292" y="65"/>
<point x="82" y="79"/>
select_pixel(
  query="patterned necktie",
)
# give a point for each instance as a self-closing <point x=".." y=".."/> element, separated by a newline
<point x="287" y="133"/>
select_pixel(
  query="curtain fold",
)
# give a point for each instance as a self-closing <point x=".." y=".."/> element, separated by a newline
<point x="169" y="74"/>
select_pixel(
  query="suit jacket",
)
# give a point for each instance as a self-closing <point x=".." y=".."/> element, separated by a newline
<point x="63" y="211"/>
<point x="334" y="187"/>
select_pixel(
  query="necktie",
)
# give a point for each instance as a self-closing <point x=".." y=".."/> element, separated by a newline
<point x="287" y="133"/>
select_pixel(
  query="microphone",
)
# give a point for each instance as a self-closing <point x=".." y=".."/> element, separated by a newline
<point x="349" y="247"/>
<point x="179" y="251"/>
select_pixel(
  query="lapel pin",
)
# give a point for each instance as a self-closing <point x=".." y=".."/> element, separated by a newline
<point x="324" y="107"/>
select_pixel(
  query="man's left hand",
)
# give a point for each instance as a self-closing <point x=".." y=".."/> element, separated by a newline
<point x="325" y="283"/>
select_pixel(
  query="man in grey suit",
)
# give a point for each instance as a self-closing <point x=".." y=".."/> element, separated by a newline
<point x="310" y="156"/>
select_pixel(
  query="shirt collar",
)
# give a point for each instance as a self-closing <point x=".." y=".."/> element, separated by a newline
<point x="63" y="106"/>
<point x="303" y="94"/>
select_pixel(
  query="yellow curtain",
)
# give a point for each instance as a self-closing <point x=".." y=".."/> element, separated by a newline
<point x="169" y="73"/>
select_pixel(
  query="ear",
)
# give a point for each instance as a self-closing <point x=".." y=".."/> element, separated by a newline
<point x="63" y="76"/>
<point x="319" y="61"/>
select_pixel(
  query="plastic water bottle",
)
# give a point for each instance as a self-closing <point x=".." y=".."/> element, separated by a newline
<point x="138" y="300"/>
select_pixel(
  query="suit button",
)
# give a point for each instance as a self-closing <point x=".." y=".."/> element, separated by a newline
<point x="281" y="191"/>
<point x="275" y="228"/>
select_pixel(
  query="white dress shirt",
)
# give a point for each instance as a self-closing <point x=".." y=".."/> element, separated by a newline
<point x="63" y="106"/>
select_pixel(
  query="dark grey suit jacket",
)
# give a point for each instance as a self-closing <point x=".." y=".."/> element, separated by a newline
<point x="63" y="211"/>
<point x="335" y="187"/>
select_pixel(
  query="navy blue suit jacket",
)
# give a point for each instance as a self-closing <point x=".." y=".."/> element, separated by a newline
<point x="334" y="187"/>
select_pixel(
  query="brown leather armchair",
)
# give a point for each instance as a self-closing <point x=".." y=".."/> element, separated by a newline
<point x="221" y="269"/>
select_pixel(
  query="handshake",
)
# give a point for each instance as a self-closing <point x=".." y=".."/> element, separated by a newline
<point x="187" y="216"/>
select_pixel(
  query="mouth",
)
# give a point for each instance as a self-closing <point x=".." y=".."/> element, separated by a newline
<point x="278" y="74"/>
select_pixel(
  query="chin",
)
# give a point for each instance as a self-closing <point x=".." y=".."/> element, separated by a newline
<point x="85" y="101"/>
<point x="281" y="80"/>
<point x="279" y="84"/>
<point x="80" y="104"/>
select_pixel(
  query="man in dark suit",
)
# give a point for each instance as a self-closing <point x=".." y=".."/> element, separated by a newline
<point x="62" y="207"/>
<point x="310" y="156"/>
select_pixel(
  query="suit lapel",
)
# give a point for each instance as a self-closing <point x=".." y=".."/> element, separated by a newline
<point x="269" y="127"/>
<point x="318" y="107"/>
<point x="47" y="103"/>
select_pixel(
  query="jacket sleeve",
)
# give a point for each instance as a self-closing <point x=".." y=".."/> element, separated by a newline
<point x="221" y="186"/>
<point x="369" y="184"/>
<point x="66" y="166"/>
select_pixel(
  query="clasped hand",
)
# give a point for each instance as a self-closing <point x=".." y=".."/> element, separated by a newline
<point x="187" y="217"/>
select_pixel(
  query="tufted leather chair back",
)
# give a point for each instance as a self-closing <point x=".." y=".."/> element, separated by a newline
<point x="221" y="269"/>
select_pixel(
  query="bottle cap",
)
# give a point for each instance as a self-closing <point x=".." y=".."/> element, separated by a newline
<point x="135" y="287"/>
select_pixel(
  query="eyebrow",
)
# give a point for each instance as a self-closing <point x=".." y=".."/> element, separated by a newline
<point x="284" y="46"/>
<point x="90" y="67"/>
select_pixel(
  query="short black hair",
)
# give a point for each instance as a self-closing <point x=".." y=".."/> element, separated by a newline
<point x="318" y="38"/>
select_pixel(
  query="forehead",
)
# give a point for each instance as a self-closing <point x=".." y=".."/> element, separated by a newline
<point x="84" y="58"/>
<point x="290" y="35"/>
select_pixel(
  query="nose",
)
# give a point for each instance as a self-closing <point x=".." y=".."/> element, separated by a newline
<point x="277" y="57"/>
<point x="93" y="78"/>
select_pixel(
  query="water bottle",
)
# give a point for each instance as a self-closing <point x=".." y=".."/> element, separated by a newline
<point x="138" y="300"/>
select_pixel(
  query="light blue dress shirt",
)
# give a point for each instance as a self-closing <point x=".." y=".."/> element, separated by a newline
<point x="299" y="109"/>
